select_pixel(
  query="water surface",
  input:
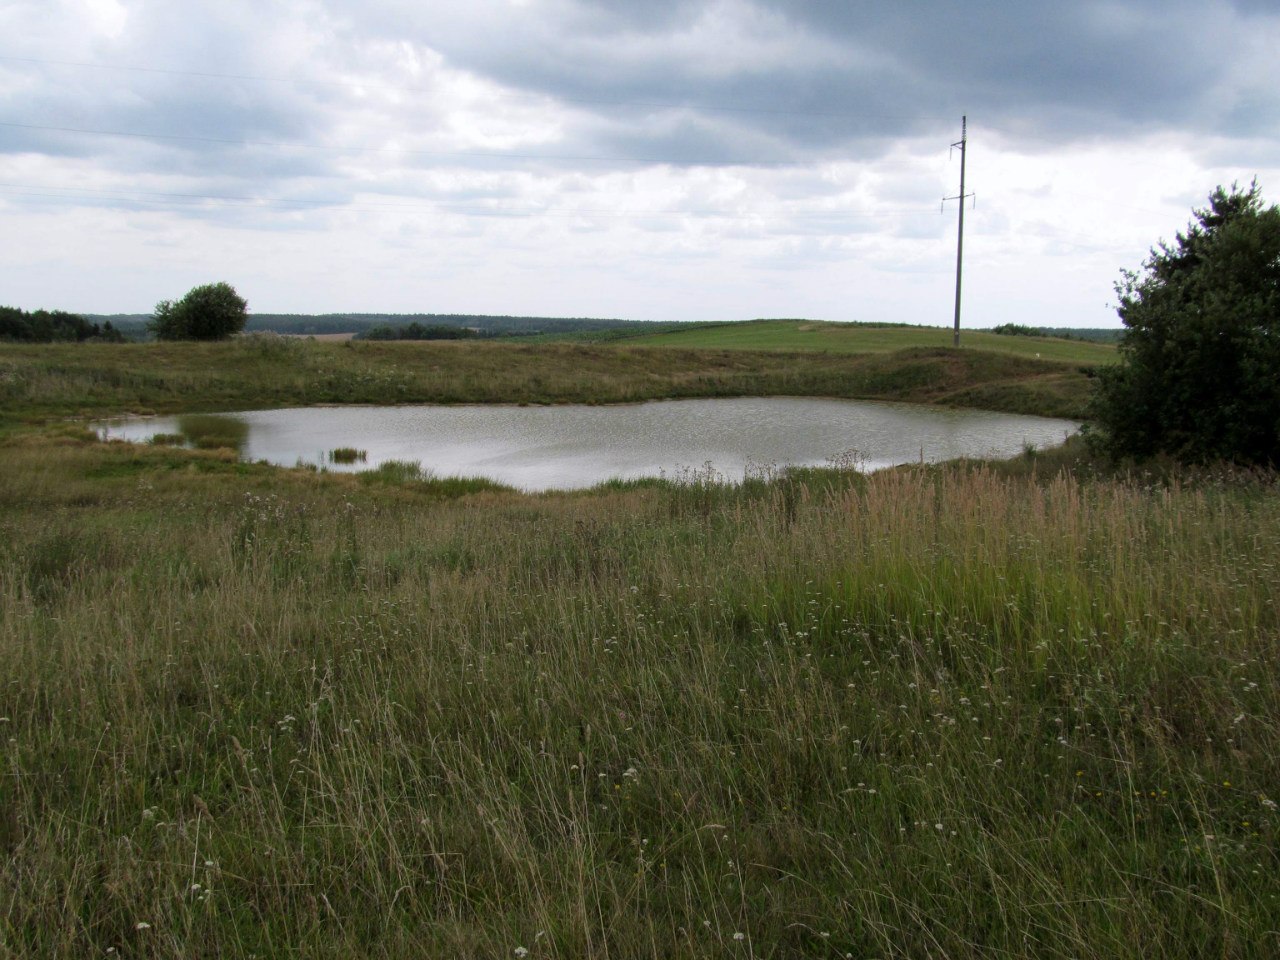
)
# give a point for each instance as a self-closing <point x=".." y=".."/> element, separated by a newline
<point x="560" y="447"/>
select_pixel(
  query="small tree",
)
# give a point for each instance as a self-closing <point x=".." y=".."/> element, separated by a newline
<point x="211" y="312"/>
<point x="1199" y="377"/>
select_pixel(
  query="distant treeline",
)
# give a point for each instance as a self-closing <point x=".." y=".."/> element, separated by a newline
<point x="493" y="326"/>
<point x="48" y="326"/>
<point x="1093" y="334"/>
<point x="417" y="331"/>
<point x="359" y="323"/>
<point x="434" y="326"/>
<point x="487" y="326"/>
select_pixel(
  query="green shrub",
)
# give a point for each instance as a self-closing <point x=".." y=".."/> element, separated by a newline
<point x="1197" y="377"/>
<point x="210" y="312"/>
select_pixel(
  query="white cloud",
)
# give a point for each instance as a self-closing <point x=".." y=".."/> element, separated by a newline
<point x="517" y="157"/>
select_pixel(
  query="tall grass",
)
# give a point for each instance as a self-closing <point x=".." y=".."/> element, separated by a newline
<point x="937" y="712"/>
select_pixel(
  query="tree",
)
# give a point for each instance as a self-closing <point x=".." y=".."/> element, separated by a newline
<point x="48" y="326"/>
<point x="1199" y="375"/>
<point x="211" y="312"/>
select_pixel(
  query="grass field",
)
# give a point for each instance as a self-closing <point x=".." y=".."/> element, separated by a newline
<point x="1018" y="709"/>
<point x="953" y="712"/>
<point x="793" y="335"/>
<point x="70" y="379"/>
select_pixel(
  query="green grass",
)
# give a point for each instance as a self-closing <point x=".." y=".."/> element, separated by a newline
<point x="959" y="711"/>
<point x="59" y="380"/>
<point x="858" y="338"/>
<point x="1026" y="708"/>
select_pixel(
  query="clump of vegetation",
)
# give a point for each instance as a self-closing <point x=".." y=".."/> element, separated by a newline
<point x="400" y="471"/>
<point x="212" y="431"/>
<point x="167" y="440"/>
<point x="1016" y="330"/>
<point x="348" y="455"/>
<point x="271" y="345"/>
<point x="1197" y="380"/>
<point x="50" y="326"/>
<point x="1082" y="334"/>
<point x="210" y="312"/>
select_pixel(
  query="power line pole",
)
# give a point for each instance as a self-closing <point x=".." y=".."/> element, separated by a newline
<point x="962" y="145"/>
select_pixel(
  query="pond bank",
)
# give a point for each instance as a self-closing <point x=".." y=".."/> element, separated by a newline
<point x="38" y="383"/>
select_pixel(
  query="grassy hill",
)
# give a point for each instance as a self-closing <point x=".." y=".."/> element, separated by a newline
<point x="252" y="372"/>
<point x="819" y="335"/>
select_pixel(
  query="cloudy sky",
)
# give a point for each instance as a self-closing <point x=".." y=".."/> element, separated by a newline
<point x="648" y="159"/>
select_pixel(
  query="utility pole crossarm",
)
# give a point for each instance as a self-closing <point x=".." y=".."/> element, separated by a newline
<point x="962" y="145"/>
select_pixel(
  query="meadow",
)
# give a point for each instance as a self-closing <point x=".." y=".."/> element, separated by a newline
<point x="972" y="710"/>
<point x="257" y="371"/>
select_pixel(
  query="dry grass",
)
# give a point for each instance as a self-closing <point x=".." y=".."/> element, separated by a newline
<point x="928" y="713"/>
<point x="37" y="382"/>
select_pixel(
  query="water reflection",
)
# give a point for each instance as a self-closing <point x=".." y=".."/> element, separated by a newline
<point x="210" y="431"/>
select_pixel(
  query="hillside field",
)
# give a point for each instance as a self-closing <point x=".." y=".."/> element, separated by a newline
<point x="259" y="371"/>
<point x="859" y="338"/>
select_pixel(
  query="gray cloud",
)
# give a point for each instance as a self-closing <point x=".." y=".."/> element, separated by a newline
<point x="1047" y="69"/>
<point x="686" y="82"/>
<point x="414" y="121"/>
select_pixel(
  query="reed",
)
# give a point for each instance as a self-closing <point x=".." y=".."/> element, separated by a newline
<point x="348" y="455"/>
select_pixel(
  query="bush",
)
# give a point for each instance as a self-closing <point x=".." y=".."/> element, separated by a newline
<point x="210" y="312"/>
<point x="1017" y="330"/>
<point x="1197" y="378"/>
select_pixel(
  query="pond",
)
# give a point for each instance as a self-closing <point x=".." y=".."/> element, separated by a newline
<point x="561" y="447"/>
